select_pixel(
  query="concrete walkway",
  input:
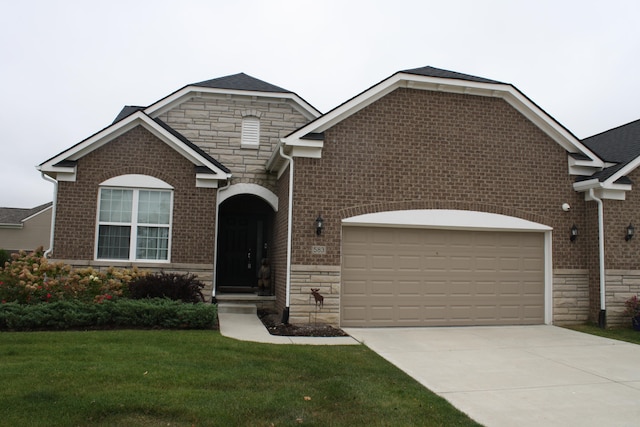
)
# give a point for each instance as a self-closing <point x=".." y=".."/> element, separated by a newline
<point x="247" y="327"/>
<point x="519" y="376"/>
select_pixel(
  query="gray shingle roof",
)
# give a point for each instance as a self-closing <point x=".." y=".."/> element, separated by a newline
<point x="17" y="215"/>
<point x="619" y="145"/>
<point x="126" y="111"/>
<point x="241" y="81"/>
<point x="446" y="74"/>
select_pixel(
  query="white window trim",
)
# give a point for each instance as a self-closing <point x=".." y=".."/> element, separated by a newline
<point x="128" y="181"/>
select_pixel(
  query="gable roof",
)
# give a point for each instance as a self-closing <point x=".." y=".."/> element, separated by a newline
<point x="63" y="165"/>
<point x="234" y="84"/>
<point x="16" y="216"/>
<point x="435" y="79"/>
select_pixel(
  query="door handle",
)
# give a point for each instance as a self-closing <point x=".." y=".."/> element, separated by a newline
<point x="249" y="260"/>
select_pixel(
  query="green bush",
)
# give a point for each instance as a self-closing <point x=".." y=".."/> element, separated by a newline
<point x="178" y="287"/>
<point x="122" y="313"/>
<point x="4" y="258"/>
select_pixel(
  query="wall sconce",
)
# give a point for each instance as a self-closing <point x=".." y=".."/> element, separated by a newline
<point x="319" y="225"/>
<point x="574" y="233"/>
<point x="630" y="231"/>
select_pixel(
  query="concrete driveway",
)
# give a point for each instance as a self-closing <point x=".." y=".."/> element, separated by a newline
<point x="519" y="375"/>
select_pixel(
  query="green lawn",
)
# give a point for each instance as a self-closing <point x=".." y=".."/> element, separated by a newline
<point x="622" y="334"/>
<point x="185" y="378"/>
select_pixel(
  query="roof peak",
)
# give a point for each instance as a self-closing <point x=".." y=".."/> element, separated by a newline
<point x="429" y="71"/>
<point x="240" y="81"/>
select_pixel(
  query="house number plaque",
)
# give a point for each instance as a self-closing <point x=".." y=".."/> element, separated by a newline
<point x="318" y="250"/>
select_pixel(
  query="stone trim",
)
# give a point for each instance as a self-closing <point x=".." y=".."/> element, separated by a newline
<point x="570" y="296"/>
<point x="303" y="309"/>
<point x="620" y="286"/>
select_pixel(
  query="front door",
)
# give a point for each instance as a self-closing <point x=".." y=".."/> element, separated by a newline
<point x="243" y="240"/>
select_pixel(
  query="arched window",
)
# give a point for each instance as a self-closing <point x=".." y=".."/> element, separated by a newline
<point x="134" y="219"/>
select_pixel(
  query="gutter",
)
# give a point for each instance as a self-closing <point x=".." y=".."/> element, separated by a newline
<point x="602" y="316"/>
<point x="46" y="177"/>
<point x="285" y="313"/>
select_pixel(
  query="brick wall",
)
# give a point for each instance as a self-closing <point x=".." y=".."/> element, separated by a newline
<point x="429" y="150"/>
<point x="136" y="152"/>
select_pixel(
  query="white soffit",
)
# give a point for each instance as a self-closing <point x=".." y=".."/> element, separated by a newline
<point x="446" y="219"/>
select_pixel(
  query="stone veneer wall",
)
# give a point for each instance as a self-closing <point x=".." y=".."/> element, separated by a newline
<point x="570" y="297"/>
<point x="620" y="286"/>
<point x="203" y="271"/>
<point x="303" y="309"/>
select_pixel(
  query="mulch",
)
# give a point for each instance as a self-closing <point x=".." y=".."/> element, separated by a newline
<point x="273" y="322"/>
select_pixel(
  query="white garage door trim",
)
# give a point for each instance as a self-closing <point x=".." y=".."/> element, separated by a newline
<point x="466" y="220"/>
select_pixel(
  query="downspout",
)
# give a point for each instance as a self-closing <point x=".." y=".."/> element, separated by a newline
<point x="215" y="243"/>
<point x="285" y="313"/>
<point x="48" y="252"/>
<point x="602" y="316"/>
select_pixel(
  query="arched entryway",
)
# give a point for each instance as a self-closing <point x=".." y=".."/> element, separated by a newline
<point x="245" y="224"/>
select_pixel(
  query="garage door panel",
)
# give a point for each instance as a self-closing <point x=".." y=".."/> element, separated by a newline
<point x="409" y="277"/>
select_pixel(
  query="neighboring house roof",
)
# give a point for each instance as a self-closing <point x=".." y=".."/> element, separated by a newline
<point x="434" y="79"/>
<point x="14" y="217"/>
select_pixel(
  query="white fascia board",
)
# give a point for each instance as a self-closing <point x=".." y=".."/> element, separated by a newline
<point x="445" y="219"/>
<point x="626" y="170"/>
<point x="507" y="92"/>
<point x="603" y="190"/>
<point x="187" y="92"/>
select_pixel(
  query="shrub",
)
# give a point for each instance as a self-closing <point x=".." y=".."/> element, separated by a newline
<point x="32" y="279"/>
<point x="123" y="313"/>
<point x="179" y="287"/>
<point x="4" y="258"/>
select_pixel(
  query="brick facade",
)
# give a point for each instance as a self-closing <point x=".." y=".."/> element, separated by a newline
<point x="136" y="152"/>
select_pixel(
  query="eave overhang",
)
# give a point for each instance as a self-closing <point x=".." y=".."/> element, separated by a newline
<point x="608" y="189"/>
<point x="63" y="167"/>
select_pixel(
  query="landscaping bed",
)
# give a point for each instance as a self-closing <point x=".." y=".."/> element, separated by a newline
<point x="273" y="322"/>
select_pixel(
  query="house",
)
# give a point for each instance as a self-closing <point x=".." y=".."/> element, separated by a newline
<point x="433" y="198"/>
<point x="25" y="229"/>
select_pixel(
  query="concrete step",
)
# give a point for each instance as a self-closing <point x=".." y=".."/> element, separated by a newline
<point x="237" y="308"/>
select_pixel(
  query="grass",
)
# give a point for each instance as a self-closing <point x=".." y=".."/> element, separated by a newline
<point x="199" y="378"/>
<point x="622" y="334"/>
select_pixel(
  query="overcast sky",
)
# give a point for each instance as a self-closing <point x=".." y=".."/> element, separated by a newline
<point x="68" y="67"/>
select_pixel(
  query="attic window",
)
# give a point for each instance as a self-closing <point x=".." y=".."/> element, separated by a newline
<point x="250" y="132"/>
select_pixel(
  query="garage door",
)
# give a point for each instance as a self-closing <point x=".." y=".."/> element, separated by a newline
<point x="433" y="277"/>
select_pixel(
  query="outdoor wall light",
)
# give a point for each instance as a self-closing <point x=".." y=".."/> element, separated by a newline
<point x="630" y="231"/>
<point x="319" y="225"/>
<point x="574" y="233"/>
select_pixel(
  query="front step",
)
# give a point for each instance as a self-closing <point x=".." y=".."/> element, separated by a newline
<point x="257" y="301"/>
<point x="237" y="308"/>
